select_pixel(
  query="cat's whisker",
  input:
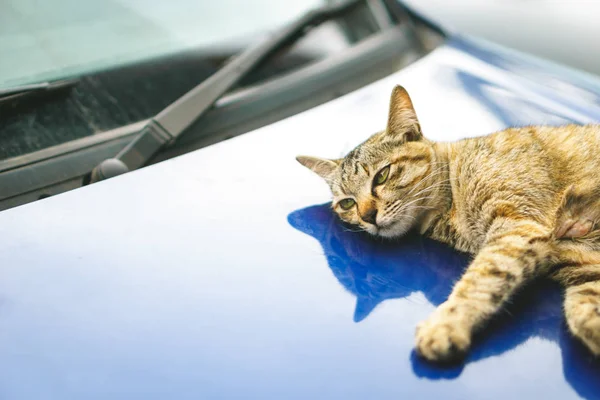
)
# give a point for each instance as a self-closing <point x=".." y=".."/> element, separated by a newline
<point x="425" y="179"/>
<point x="407" y="205"/>
<point x="400" y="204"/>
<point x="410" y="216"/>
<point x="417" y="200"/>
<point x="393" y="207"/>
<point x="434" y="186"/>
<point x="423" y="207"/>
<point x="431" y="174"/>
<point x="441" y="184"/>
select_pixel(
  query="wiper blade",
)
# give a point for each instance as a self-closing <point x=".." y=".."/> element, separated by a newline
<point x="170" y="123"/>
<point x="34" y="89"/>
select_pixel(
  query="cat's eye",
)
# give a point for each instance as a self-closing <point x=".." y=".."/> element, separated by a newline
<point x="347" y="204"/>
<point x="381" y="176"/>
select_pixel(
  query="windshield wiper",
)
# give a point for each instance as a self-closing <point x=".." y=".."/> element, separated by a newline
<point x="35" y="89"/>
<point x="170" y="123"/>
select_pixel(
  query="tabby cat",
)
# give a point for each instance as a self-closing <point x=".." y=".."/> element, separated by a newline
<point x="524" y="201"/>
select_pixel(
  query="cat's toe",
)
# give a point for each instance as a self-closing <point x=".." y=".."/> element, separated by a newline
<point x="442" y="341"/>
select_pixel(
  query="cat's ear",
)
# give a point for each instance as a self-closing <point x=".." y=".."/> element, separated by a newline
<point x="364" y="306"/>
<point x="402" y="119"/>
<point x="321" y="166"/>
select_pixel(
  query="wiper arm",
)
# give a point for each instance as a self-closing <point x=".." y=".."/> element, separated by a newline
<point x="23" y="91"/>
<point x="171" y="122"/>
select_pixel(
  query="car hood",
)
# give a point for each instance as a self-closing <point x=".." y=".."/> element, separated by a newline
<point x="224" y="274"/>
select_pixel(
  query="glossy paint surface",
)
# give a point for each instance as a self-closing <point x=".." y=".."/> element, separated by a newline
<point x="222" y="274"/>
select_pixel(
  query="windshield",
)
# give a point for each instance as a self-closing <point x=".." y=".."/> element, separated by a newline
<point x="49" y="40"/>
<point x="80" y="79"/>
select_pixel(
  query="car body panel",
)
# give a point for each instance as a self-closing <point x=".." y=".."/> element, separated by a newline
<point x="223" y="273"/>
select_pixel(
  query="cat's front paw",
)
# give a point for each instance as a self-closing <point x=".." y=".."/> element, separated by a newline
<point x="442" y="338"/>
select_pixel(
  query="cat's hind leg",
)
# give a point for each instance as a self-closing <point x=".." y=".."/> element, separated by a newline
<point x="582" y="302"/>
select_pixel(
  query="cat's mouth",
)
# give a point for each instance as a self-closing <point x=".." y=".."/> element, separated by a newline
<point x="391" y="230"/>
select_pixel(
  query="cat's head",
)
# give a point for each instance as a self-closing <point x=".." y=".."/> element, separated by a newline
<point x="383" y="184"/>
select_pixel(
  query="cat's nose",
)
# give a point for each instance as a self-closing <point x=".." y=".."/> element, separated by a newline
<point x="370" y="215"/>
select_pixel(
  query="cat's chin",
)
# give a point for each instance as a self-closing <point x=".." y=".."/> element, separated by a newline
<point x="393" y="230"/>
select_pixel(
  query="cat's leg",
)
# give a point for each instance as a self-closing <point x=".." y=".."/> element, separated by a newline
<point x="515" y="251"/>
<point x="582" y="302"/>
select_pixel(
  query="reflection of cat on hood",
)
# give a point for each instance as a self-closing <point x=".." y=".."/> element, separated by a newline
<point x="375" y="270"/>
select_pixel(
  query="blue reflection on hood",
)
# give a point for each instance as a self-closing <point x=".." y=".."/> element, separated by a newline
<point x="374" y="270"/>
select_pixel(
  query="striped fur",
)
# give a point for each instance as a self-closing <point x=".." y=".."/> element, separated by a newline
<point x="524" y="201"/>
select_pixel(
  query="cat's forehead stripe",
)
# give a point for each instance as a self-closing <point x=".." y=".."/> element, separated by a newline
<point x="352" y="165"/>
<point x="408" y="157"/>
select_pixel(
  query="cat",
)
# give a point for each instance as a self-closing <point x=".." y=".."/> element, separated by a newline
<point x="520" y="200"/>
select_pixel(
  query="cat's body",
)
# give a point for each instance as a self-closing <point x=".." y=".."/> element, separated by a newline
<point x="521" y="200"/>
<point x="519" y="172"/>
